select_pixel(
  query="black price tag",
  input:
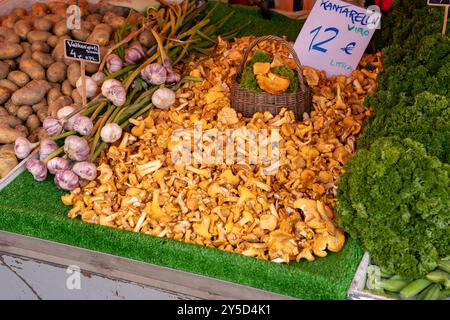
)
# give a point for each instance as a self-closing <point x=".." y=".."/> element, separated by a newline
<point x="82" y="51"/>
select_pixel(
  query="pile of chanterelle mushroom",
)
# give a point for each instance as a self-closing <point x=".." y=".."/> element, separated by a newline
<point x="240" y="208"/>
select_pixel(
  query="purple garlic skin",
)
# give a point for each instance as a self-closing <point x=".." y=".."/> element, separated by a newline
<point x="47" y="147"/>
<point x="154" y="74"/>
<point x="134" y="54"/>
<point x="23" y="147"/>
<point x="113" y="63"/>
<point x="98" y="76"/>
<point x="58" y="164"/>
<point x="52" y="126"/>
<point x="173" y="77"/>
<point x="83" y="125"/>
<point x="66" y="180"/>
<point x="91" y="86"/>
<point x="37" y="168"/>
<point x="85" y="170"/>
<point x="76" y="148"/>
<point x="113" y="90"/>
<point x="63" y="115"/>
<point x="111" y="132"/>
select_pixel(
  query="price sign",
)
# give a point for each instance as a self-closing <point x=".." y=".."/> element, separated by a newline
<point x="82" y="51"/>
<point x="439" y="2"/>
<point x="335" y="36"/>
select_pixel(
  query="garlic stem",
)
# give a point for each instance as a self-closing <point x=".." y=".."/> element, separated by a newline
<point x="53" y="154"/>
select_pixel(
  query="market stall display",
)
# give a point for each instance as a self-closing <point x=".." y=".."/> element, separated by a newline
<point x="394" y="196"/>
<point x="285" y="221"/>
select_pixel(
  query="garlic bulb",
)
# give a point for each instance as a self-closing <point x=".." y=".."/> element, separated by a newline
<point x="37" y="168"/>
<point x="173" y="77"/>
<point x="98" y="76"/>
<point x="58" y="164"/>
<point x="63" y="114"/>
<point x="111" y="133"/>
<point x="163" y="98"/>
<point x="83" y="125"/>
<point x="154" y="74"/>
<point x="91" y="86"/>
<point x="113" y="90"/>
<point x="46" y="148"/>
<point x="23" y="147"/>
<point x="113" y="63"/>
<point x="85" y="170"/>
<point x="52" y="126"/>
<point x="66" y="180"/>
<point x="134" y="54"/>
<point x="76" y="148"/>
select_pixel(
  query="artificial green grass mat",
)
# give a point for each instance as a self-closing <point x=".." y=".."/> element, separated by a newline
<point x="34" y="209"/>
<point x="278" y="24"/>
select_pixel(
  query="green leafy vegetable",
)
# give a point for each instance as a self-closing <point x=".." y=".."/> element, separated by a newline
<point x="426" y="121"/>
<point x="395" y="198"/>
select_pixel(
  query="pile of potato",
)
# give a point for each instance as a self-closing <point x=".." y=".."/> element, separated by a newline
<point x="36" y="79"/>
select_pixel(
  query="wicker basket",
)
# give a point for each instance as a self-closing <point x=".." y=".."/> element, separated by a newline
<point x="249" y="102"/>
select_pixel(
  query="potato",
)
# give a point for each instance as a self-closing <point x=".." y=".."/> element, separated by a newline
<point x="8" y="160"/>
<point x="10" y="21"/>
<point x="117" y="22"/>
<point x="54" y="18"/>
<point x="11" y="108"/>
<point x="100" y="35"/>
<point x="94" y="18"/>
<point x="9" y="121"/>
<point x="19" y="78"/>
<point x="58" y="104"/>
<point x="42" y="24"/>
<point x="3" y="111"/>
<point x="76" y="96"/>
<point x="56" y="72"/>
<point x="33" y="122"/>
<point x="32" y="68"/>
<point x="92" y="67"/>
<point x="5" y="94"/>
<point x="20" y="12"/>
<point x="37" y="35"/>
<point x="58" y="52"/>
<point x="38" y="134"/>
<point x="24" y="112"/>
<point x="44" y="59"/>
<point x="42" y="113"/>
<point x="27" y="52"/>
<point x="10" y="50"/>
<point x="39" y="9"/>
<point x="146" y="38"/>
<point x="5" y="83"/>
<point x="60" y="28"/>
<point x="32" y="93"/>
<point x="9" y="35"/>
<point x="53" y="94"/>
<point x="40" y="46"/>
<point x="12" y="64"/>
<point x="57" y="7"/>
<point x="4" y="70"/>
<point x="73" y="73"/>
<point x="66" y="88"/>
<point x="38" y="106"/>
<point x="22" y="128"/>
<point x="52" y="41"/>
<point x="83" y="33"/>
<point x="21" y="28"/>
<point x="54" y="85"/>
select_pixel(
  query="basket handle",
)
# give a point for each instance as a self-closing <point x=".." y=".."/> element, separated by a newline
<point x="280" y="40"/>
